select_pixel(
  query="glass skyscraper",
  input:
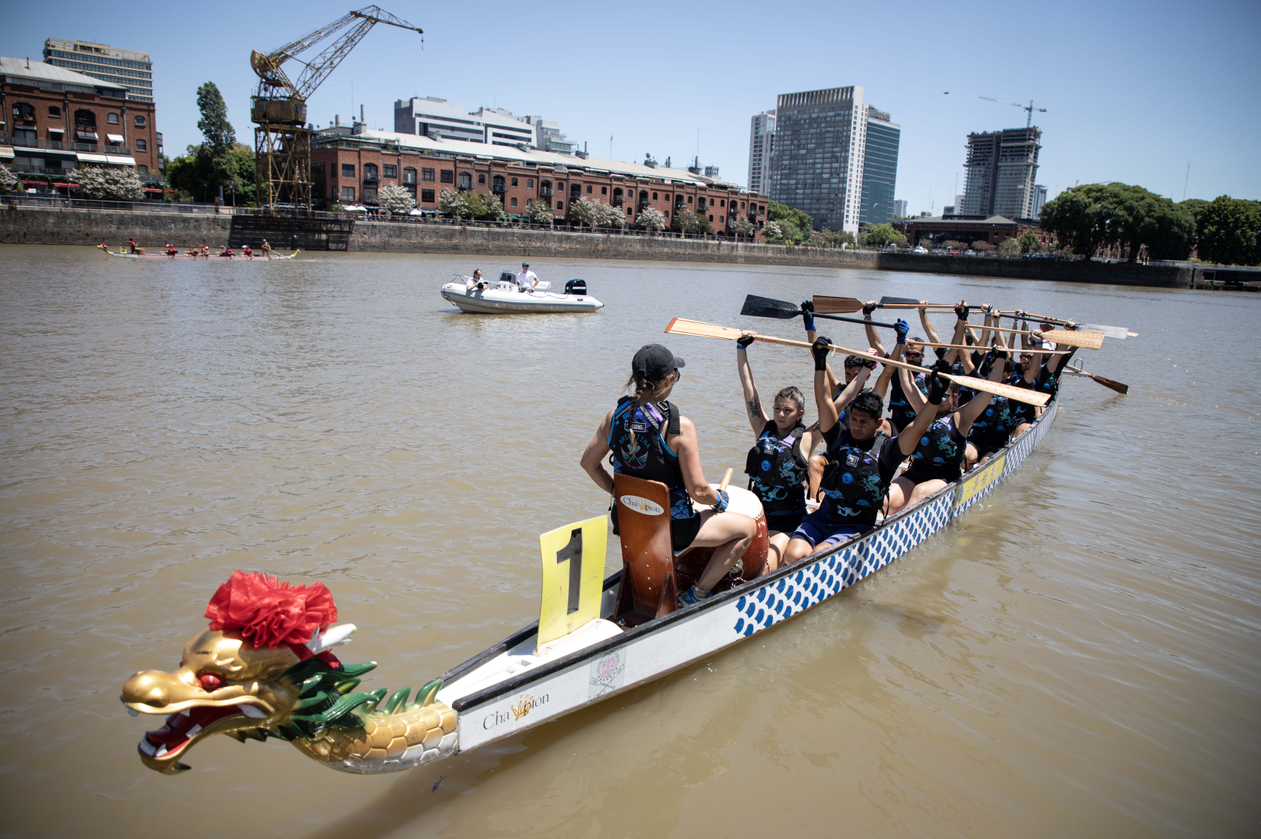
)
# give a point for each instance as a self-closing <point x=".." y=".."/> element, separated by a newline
<point x="880" y="168"/>
<point x="817" y="165"/>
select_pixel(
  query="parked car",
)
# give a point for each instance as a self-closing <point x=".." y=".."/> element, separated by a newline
<point x="921" y="249"/>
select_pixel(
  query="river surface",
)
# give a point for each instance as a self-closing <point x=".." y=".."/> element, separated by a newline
<point x="1078" y="656"/>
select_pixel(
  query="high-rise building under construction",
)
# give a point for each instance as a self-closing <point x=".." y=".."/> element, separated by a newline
<point x="1001" y="167"/>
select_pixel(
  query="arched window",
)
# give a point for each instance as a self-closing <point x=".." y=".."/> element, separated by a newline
<point x="409" y="175"/>
<point x="112" y="119"/>
<point x="497" y="185"/>
<point x="141" y="145"/>
<point x="643" y="198"/>
<point x="617" y="196"/>
<point x="545" y="189"/>
<point x="370" y="172"/>
<point x="85" y="126"/>
<point x="481" y="177"/>
<point x="466" y="180"/>
<point x="54" y="111"/>
<point x="514" y="182"/>
<point x="23" y="114"/>
<point x="142" y="169"/>
<point x="140" y="122"/>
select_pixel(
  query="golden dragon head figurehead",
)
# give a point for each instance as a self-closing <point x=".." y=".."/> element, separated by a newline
<point x="261" y="669"/>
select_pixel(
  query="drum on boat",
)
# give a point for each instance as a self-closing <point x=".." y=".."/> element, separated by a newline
<point x="691" y="563"/>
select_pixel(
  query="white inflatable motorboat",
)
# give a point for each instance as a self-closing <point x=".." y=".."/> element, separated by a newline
<point x="502" y="296"/>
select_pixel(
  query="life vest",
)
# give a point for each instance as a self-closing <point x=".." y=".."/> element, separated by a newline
<point x="992" y="429"/>
<point x="853" y="491"/>
<point x="777" y="471"/>
<point x="1048" y="382"/>
<point x="647" y="456"/>
<point x="939" y="453"/>
<point x="1022" y="411"/>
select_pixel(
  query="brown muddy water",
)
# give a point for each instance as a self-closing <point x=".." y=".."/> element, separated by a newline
<point x="1077" y="657"/>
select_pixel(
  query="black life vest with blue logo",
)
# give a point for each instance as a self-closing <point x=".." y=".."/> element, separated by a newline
<point x="939" y="453"/>
<point x="991" y="430"/>
<point x="1048" y="382"/>
<point x="646" y="455"/>
<point x="1022" y="411"/>
<point x="853" y="491"/>
<point x="777" y="471"/>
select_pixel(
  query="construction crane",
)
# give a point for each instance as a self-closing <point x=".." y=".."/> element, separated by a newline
<point x="282" y="142"/>
<point x="1028" y="108"/>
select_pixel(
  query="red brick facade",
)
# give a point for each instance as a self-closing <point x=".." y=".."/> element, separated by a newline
<point x="46" y="127"/>
<point x="350" y="172"/>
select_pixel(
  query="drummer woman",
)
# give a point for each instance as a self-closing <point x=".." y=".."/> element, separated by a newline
<point x="650" y="439"/>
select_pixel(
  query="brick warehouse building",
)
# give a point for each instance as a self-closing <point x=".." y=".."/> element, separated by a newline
<point x="993" y="230"/>
<point x="53" y="120"/>
<point x="350" y="168"/>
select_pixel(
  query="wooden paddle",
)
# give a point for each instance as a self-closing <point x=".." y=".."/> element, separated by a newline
<point x="845" y="305"/>
<point x="700" y="329"/>
<point x="910" y="303"/>
<point x="1119" y="387"/>
<point x="765" y="307"/>
<point x="978" y="347"/>
<point x="1118" y="332"/>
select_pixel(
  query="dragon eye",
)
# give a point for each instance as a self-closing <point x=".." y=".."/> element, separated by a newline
<point x="209" y="681"/>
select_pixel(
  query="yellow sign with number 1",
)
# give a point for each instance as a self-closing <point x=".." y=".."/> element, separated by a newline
<point x="573" y="571"/>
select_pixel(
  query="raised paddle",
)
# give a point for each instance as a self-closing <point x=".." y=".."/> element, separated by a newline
<point x="1118" y="332"/>
<point x="700" y="329"/>
<point x="845" y="305"/>
<point x="910" y="303"/>
<point x="765" y="307"/>
<point x="1108" y="383"/>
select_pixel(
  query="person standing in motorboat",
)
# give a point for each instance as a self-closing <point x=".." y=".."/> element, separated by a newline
<point x="650" y="439"/>
<point x="527" y="279"/>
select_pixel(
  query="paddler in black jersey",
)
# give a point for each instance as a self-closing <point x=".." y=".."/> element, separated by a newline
<point x="777" y="463"/>
<point x="854" y="488"/>
<point x="910" y="350"/>
<point x="649" y="439"/>
<point x="939" y="456"/>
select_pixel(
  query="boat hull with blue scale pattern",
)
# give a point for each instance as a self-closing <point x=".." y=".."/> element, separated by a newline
<point x="519" y="683"/>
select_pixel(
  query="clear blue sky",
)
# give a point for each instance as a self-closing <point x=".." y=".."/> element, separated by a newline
<point x="1133" y="91"/>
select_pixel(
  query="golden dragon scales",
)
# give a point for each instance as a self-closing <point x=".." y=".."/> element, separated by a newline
<point x="264" y="669"/>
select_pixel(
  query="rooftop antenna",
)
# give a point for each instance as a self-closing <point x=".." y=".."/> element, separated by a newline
<point x="698" y="145"/>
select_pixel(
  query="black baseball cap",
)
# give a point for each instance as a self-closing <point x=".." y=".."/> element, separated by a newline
<point x="655" y="362"/>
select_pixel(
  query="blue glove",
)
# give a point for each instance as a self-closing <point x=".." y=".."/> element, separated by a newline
<point x="900" y="328"/>
<point x="807" y="314"/>
<point x="721" y="504"/>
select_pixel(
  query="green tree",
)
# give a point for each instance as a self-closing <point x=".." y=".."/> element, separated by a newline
<point x="779" y="212"/>
<point x="214" y="125"/>
<point x="454" y="203"/>
<point x="835" y="238"/>
<point x="686" y="221"/>
<point x="881" y="236"/>
<point x="742" y="228"/>
<point x="486" y="207"/>
<point x="1087" y="216"/>
<point x="1229" y="232"/>
<point x="1010" y="246"/>
<point x="196" y="175"/>
<point x="1030" y="243"/>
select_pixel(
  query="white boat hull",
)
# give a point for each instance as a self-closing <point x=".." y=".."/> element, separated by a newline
<point x="512" y="687"/>
<point x="503" y="298"/>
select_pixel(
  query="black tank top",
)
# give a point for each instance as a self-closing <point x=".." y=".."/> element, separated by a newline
<point x="777" y="471"/>
<point x="646" y="455"/>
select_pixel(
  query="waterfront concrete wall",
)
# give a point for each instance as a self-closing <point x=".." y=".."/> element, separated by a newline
<point x="39" y="225"/>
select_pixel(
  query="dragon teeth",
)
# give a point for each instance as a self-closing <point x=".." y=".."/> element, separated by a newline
<point x="193" y="731"/>
<point x="253" y="711"/>
<point x="132" y="712"/>
<point x="147" y="747"/>
<point x="184" y="713"/>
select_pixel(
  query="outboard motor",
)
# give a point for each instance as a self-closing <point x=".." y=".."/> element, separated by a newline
<point x="576" y="287"/>
<point x="507" y="277"/>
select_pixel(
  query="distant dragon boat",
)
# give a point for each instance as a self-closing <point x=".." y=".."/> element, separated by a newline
<point x="208" y="258"/>
<point x="594" y="638"/>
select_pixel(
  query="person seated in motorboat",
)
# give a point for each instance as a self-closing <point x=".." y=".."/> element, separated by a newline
<point x="777" y="464"/>
<point x="476" y="282"/>
<point x="527" y="279"/>
<point x="649" y="438"/>
<point x="249" y="253"/>
<point x="856" y="483"/>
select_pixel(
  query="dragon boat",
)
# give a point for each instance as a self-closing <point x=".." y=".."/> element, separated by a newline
<point x="265" y="669"/>
<point x="503" y="296"/>
<point x="208" y="258"/>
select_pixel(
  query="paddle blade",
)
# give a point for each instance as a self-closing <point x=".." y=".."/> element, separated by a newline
<point x="1075" y="338"/>
<point x="837" y="305"/>
<point x="898" y="301"/>
<point x="1015" y="394"/>
<point x="1118" y="332"/>
<point x="700" y="329"/>
<point x="1109" y="383"/>
<point x="765" y="307"/>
